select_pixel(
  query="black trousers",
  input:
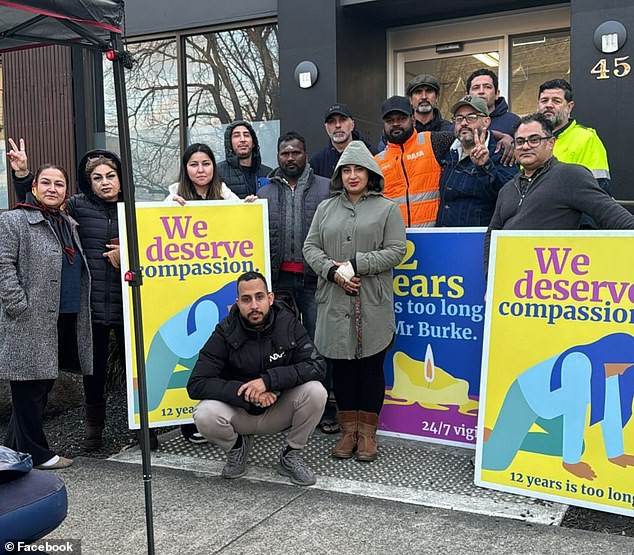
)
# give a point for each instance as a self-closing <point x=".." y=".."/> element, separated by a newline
<point x="25" y="431"/>
<point x="95" y="385"/>
<point x="359" y="384"/>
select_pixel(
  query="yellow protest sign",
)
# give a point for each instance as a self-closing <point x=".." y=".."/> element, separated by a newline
<point x="190" y="259"/>
<point x="558" y="369"/>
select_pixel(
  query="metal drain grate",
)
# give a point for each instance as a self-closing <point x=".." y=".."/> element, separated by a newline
<point x="408" y="471"/>
<point x="400" y="463"/>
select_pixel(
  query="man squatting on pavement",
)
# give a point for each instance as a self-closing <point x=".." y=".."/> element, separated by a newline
<point x="259" y="373"/>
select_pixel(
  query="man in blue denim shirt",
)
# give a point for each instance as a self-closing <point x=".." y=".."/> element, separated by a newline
<point x="472" y="172"/>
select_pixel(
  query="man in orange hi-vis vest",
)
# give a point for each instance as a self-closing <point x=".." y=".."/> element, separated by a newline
<point x="410" y="163"/>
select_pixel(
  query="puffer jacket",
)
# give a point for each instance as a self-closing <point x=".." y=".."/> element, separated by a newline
<point x="230" y="171"/>
<point x="281" y="354"/>
<point x="98" y="225"/>
<point x="371" y="234"/>
<point x="314" y="192"/>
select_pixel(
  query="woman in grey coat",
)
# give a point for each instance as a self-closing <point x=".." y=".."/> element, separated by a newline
<point x="44" y="305"/>
<point x="356" y="238"/>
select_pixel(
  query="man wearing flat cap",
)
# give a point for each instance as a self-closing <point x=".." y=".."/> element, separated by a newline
<point x="410" y="163"/>
<point x="424" y="93"/>
<point x="339" y="125"/>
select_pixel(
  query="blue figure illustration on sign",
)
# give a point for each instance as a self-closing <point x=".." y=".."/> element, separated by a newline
<point x="178" y="342"/>
<point x="555" y="395"/>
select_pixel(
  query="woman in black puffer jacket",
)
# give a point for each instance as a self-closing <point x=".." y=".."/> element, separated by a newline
<point x="94" y="207"/>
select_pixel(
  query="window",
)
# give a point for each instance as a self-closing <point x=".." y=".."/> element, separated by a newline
<point x="233" y="75"/>
<point x="229" y="75"/>
<point x="536" y="58"/>
<point x="152" y="95"/>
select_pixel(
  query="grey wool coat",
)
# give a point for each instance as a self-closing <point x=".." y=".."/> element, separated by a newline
<point x="372" y="233"/>
<point x="30" y="280"/>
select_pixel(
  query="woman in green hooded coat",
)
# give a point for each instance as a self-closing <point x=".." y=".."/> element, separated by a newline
<point x="355" y="240"/>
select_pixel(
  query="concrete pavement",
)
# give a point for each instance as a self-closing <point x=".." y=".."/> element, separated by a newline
<point x="197" y="511"/>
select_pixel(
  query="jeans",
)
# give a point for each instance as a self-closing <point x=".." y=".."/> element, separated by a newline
<point x="304" y="296"/>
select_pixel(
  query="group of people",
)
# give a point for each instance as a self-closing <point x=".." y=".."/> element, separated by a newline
<point x="337" y="230"/>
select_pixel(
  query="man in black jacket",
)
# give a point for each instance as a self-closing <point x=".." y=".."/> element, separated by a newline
<point x="259" y="373"/>
<point x="242" y="170"/>
<point x="339" y="125"/>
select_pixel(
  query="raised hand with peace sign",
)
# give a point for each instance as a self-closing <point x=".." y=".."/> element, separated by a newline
<point x="18" y="159"/>
<point x="479" y="153"/>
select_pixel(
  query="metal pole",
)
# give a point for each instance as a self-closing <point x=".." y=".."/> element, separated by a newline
<point x="135" y="281"/>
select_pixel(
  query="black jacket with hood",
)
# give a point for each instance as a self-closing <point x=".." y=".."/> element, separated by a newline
<point x="281" y="354"/>
<point x="98" y="225"/>
<point x="230" y="171"/>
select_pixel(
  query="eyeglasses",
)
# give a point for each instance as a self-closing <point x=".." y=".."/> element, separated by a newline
<point x="470" y="118"/>
<point x="533" y="140"/>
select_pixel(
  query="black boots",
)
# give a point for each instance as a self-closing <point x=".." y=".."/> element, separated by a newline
<point x="95" y="416"/>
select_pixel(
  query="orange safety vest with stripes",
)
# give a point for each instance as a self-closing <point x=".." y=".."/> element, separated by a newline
<point x="412" y="174"/>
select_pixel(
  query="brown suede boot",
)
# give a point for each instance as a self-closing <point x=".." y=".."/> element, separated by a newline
<point x="347" y="443"/>
<point x="95" y="416"/>
<point x="367" y="448"/>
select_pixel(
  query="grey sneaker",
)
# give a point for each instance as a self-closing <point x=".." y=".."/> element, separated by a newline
<point x="294" y="466"/>
<point x="237" y="460"/>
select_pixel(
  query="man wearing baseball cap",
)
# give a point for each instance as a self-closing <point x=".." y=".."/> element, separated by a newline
<point x="339" y="125"/>
<point x="472" y="174"/>
<point x="410" y="163"/>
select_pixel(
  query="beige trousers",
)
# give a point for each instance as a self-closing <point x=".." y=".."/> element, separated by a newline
<point x="297" y="410"/>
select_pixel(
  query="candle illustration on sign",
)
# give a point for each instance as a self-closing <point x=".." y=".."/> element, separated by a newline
<point x="428" y="385"/>
<point x="430" y="369"/>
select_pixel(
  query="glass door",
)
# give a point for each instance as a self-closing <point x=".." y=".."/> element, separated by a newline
<point x="451" y="64"/>
<point x="525" y="48"/>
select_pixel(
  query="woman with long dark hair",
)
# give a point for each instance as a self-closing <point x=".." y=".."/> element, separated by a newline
<point x="199" y="178"/>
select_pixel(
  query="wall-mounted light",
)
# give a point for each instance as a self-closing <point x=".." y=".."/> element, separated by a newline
<point x="610" y="36"/>
<point x="306" y="74"/>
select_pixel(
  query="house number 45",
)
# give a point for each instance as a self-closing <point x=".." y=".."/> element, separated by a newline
<point x="621" y="68"/>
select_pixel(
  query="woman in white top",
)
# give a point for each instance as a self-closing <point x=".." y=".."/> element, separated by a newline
<point x="199" y="179"/>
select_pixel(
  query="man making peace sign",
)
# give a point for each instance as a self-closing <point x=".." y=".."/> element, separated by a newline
<point x="472" y="173"/>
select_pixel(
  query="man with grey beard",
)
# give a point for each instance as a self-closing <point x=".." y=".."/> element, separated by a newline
<point x="424" y="94"/>
<point x="472" y="173"/>
<point x="339" y="125"/>
<point x="575" y="143"/>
